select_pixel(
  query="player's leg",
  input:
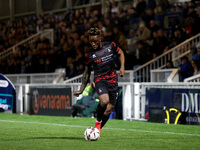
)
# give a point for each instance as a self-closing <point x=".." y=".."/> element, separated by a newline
<point x="104" y="100"/>
<point x="106" y="114"/>
<point x="113" y="96"/>
<point x="102" y="92"/>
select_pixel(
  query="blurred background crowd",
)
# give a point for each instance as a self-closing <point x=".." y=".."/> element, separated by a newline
<point x="137" y="30"/>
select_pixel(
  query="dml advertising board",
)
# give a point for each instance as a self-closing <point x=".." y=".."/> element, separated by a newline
<point x="185" y="100"/>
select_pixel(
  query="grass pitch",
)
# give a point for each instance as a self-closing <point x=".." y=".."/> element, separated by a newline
<point x="24" y="132"/>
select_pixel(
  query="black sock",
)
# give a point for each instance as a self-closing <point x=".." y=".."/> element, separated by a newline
<point x="100" y="111"/>
<point x="104" y="120"/>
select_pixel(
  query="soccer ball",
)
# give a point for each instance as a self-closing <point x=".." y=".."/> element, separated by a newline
<point x="92" y="134"/>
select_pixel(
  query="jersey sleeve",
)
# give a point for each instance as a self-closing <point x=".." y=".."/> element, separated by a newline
<point x="86" y="59"/>
<point x="115" y="47"/>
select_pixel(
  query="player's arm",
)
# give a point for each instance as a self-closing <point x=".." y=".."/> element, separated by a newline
<point x="85" y="79"/>
<point x="122" y="61"/>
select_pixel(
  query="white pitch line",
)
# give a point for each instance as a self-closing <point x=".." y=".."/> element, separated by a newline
<point x="77" y="126"/>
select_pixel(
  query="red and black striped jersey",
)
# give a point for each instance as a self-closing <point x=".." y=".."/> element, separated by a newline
<point x="102" y="60"/>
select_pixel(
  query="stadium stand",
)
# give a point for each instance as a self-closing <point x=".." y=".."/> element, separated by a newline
<point x="167" y="25"/>
<point x="161" y="34"/>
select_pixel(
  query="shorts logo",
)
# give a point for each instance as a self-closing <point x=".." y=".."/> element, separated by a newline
<point x="93" y="56"/>
<point x="116" y="95"/>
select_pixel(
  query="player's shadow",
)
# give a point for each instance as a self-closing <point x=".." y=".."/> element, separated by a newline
<point x="58" y="138"/>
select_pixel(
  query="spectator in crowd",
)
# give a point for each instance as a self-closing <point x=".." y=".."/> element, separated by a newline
<point x="180" y="35"/>
<point x="185" y="10"/>
<point x="132" y="13"/>
<point x="114" y="8"/>
<point x="159" y="10"/>
<point x="141" y="52"/>
<point x="131" y="41"/>
<point x="169" y="64"/>
<point x="42" y="65"/>
<point x="35" y="60"/>
<point x="151" y="4"/>
<point x="191" y="12"/>
<point x="194" y="53"/>
<point x="198" y="50"/>
<point x="188" y="26"/>
<point x="148" y="16"/>
<point x="153" y="26"/>
<point x="22" y="67"/>
<point x="178" y="8"/>
<point x="197" y="21"/>
<point x="163" y="4"/>
<point x="113" y="18"/>
<point x="195" y="24"/>
<point x="162" y="41"/>
<point x="195" y="66"/>
<point x="153" y="43"/>
<point x="143" y="32"/>
<point x="79" y="68"/>
<point x="140" y="6"/>
<point x="72" y="70"/>
<point x="2" y="48"/>
<point x="70" y="33"/>
<point x="108" y="25"/>
<point x="101" y="27"/>
<point x="120" y="38"/>
<point x="47" y="66"/>
<point x="185" y="68"/>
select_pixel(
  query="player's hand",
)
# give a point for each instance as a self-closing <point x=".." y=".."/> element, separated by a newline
<point x="122" y="72"/>
<point x="77" y="93"/>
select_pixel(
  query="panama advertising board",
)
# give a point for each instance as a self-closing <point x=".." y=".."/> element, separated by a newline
<point x="50" y="101"/>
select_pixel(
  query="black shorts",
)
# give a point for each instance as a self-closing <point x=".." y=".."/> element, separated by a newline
<point x="109" y="87"/>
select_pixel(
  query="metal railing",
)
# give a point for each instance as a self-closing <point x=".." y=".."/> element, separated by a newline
<point x="164" y="75"/>
<point x="128" y="77"/>
<point x="48" y="33"/>
<point x="195" y="78"/>
<point x="37" y="78"/>
<point x="174" y="54"/>
<point x="133" y="96"/>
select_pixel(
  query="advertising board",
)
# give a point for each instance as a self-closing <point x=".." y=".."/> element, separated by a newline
<point x="7" y="94"/>
<point x="50" y="101"/>
<point x="184" y="100"/>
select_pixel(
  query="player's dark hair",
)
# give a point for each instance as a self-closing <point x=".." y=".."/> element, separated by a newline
<point x="94" y="31"/>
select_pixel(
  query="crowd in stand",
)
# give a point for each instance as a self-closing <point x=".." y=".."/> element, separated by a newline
<point x="137" y="30"/>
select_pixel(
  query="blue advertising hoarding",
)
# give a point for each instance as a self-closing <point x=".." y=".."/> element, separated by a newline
<point x="185" y="100"/>
<point x="7" y="94"/>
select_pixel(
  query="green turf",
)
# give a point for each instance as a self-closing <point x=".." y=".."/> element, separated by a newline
<point x="24" y="132"/>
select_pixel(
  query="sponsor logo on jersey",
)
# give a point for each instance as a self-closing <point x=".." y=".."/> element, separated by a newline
<point x="100" y="90"/>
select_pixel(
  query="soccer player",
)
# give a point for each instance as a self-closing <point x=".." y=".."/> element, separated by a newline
<point x="101" y="56"/>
